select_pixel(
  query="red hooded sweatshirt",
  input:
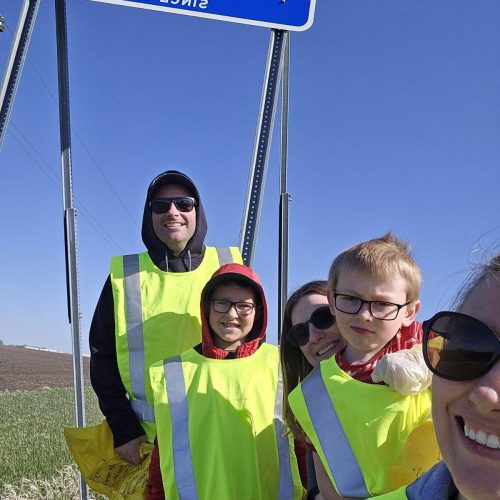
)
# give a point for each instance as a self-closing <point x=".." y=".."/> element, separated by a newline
<point x="252" y="342"/>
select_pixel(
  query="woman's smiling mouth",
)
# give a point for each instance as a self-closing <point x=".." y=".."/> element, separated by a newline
<point x="482" y="437"/>
<point x="327" y="348"/>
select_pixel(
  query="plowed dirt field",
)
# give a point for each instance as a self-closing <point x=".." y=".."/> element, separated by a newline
<point x="29" y="369"/>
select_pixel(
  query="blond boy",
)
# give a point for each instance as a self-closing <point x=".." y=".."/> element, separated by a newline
<point x="359" y="429"/>
<point x="373" y="292"/>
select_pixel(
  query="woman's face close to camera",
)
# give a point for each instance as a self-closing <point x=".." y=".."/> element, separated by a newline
<point x="322" y="343"/>
<point x="474" y="407"/>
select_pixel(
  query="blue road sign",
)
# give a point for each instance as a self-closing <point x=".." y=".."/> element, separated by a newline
<point x="292" y="15"/>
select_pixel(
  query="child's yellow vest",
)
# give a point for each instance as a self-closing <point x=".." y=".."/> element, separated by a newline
<point x="220" y="432"/>
<point x="371" y="439"/>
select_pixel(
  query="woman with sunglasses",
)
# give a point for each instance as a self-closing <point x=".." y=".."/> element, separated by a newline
<point x="462" y="349"/>
<point x="309" y="335"/>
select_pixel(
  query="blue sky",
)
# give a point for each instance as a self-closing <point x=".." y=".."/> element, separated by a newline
<point x="394" y="124"/>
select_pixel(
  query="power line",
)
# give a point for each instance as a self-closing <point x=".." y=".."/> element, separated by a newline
<point x="80" y="139"/>
<point x="78" y="136"/>
<point x="55" y="180"/>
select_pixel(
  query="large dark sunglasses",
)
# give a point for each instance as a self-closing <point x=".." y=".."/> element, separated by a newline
<point x="459" y="347"/>
<point x="162" y="205"/>
<point x="321" y="318"/>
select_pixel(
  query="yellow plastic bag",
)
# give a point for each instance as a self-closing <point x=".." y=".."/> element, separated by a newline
<point x="93" y="451"/>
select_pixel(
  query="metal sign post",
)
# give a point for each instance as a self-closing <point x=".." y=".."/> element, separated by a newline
<point x="284" y="195"/>
<point x="15" y="64"/>
<point x="69" y="217"/>
<point x="258" y="169"/>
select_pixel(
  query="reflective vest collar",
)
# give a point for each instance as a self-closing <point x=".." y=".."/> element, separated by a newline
<point x="339" y="455"/>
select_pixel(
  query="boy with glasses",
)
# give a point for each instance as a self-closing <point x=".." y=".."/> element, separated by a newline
<point x="374" y="295"/>
<point x="359" y="430"/>
<point x="218" y="405"/>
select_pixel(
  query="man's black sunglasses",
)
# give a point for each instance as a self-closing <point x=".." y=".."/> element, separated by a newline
<point x="459" y="347"/>
<point x="162" y="205"/>
<point x="321" y="318"/>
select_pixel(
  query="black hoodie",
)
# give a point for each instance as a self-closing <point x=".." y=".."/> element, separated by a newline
<point x="104" y="373"/>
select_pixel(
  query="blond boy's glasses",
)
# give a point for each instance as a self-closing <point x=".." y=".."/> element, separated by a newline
<point x="379" y="309"/>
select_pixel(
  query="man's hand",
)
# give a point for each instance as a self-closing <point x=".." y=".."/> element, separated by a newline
<point x="130" y="451"/>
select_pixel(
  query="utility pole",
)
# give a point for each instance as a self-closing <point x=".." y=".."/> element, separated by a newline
<point x="69" y="217"/>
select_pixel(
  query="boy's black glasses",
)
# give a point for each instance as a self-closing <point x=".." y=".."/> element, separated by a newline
<point x="242" y="308"/>
<point x="162" y="205"/>
<point x="321" y="318"/>
<point x="379" y="309"/>
<point x="459" y="347"/>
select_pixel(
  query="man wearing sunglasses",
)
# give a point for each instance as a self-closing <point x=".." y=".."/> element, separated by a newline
<point x="149" y="307"/>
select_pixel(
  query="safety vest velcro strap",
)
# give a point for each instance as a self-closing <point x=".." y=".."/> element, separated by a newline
<point x="143" y="411"/>
<point x="337" y="450"/>
<point x="177" y="400"/>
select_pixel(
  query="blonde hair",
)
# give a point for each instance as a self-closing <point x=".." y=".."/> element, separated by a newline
<point x="293" y="362"/>
<point x="382" y="258"/>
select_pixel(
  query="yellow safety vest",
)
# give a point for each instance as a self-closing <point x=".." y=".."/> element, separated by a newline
<point x="157" y="315"/>
<point x="371" y="439"/>
<point x="220" y="430"/>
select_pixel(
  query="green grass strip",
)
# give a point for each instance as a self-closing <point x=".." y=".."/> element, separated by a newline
<point x="31" y="429"/>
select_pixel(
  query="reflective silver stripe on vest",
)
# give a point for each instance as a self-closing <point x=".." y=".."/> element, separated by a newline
<point x="286" y="482"/>
<point x="338" y="452"/>
<point x="143" y="411"/>
<point x="224" y="255"/>
<point x="177" y="400"/>
<point x="133" y="315"/>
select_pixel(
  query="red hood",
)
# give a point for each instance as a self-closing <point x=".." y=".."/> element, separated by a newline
<point x="256" y="336"/>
